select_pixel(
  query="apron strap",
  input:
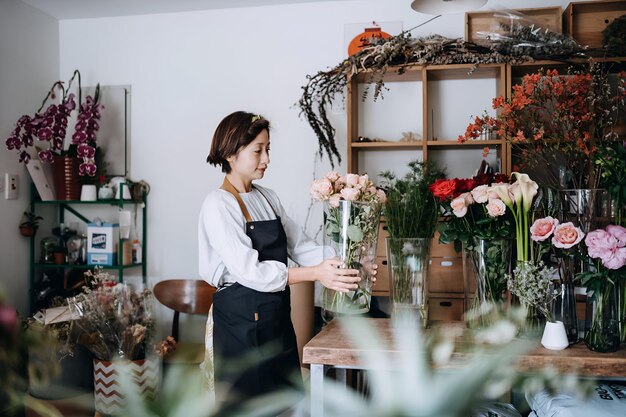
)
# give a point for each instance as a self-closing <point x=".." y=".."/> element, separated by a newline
<point x="266" y="199"/>
<point x="227" y="186"/>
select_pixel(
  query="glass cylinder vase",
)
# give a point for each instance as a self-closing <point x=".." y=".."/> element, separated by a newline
<point x="565" y="303"/>
<point x="491" y="261"/>
<point x="621" y="307"/>
<point x="408" y="260"/>
<point x="588" y="207"/>
<point x="602" y="319"/>
<point x="351" y="230"/>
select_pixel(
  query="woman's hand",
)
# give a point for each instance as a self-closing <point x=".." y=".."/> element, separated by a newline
<point x="331" y="274"/>
<point x="371" y="267"/>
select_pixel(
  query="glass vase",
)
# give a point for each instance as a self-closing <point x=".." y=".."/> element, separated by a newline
<point x="565" y="304"/>
<point x="602" y="319"/>
<point x="351" y="230"/>
<point x="408" y="260"/>
<point x="621" y="307"/>
<point x="590" y="208"/>
<point x="491" y="260"/>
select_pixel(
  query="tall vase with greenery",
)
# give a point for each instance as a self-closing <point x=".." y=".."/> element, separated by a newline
<point x="411" y="213"/>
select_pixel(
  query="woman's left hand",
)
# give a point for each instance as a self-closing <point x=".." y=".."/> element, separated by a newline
<point x="371" y="267"/>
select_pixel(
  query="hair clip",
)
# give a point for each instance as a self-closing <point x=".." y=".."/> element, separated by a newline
<point x="256" y="118"/>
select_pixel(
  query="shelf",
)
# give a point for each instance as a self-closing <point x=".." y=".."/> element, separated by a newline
<point x="388" y="145"/>
<point x="72" y="266"/>
<point x="108" y="202"/>
<point x="469" y="143"/>
<point x="462" y="71"/>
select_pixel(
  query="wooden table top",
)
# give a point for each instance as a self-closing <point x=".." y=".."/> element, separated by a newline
<point x="333" y="347"/>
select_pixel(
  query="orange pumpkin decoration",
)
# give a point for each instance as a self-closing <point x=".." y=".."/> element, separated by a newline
<point x="365" y="39"/>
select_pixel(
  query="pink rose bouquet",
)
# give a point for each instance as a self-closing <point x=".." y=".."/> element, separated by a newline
<point x="351" y="217"/>
<point x="473" y="209"/>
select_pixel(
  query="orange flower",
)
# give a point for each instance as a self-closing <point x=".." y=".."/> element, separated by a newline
<point x="485" y="151"/>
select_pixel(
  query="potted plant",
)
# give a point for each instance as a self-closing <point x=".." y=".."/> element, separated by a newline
<point x="29" y="224"/>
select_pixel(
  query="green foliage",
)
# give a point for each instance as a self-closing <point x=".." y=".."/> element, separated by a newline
<point x="411" y="210"/>
<point x="611" y="159"/>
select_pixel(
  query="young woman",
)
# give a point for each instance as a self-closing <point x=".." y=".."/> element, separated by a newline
<point x="245" y="238"/>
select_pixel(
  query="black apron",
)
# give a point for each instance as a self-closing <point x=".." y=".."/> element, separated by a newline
<point x="253" y="337"/>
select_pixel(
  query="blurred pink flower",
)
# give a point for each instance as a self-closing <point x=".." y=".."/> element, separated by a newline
<point x="321" y="189"/>
<point x="459" y="207"/>
<point x="350" y="194"/>
<point x="600" y="243"/>
<point x="496" y="207"/>
<point x="619" y="233"/>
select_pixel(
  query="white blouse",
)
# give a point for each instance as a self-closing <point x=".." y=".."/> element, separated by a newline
<point x="226" y="253"/>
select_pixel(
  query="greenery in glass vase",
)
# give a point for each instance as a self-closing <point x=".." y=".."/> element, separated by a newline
<point x="351" y="218"/>
<point x="411" y="210"/>
<point x="611" y="161"/>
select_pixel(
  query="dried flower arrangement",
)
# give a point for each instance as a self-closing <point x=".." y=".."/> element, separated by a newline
<point x="112" y="321"/>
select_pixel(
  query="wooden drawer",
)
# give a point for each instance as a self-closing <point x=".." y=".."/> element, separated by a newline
<point x="445" y="275"/>
<point x="585" y="21"/>
<point x="445" y="309"/>
<point x="381" y="245"/>
<point x="440" y="250"/>
<point x="382" y="278"/>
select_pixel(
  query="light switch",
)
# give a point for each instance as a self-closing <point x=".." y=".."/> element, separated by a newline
<point x="11" y="186"/>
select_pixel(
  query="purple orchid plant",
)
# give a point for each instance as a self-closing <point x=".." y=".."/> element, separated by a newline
<point x="50" y="128"/>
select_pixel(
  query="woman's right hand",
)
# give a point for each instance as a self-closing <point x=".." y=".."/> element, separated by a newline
<point x="333" y="276"/>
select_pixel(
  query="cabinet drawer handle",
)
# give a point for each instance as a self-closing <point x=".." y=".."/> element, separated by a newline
<point x="385" y="228"/>
<point x="384" y="262"/>
<point x="445" y="303"/>
<point x="447" y="263"/>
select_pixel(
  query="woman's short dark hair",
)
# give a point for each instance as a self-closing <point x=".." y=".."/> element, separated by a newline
<point x="234" y="132"/>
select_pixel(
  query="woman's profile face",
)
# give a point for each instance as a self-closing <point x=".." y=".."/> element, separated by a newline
<point x="251" y="161"/>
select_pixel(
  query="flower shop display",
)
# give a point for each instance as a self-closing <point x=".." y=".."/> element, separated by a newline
<point x="477" y="218"/>
<point x="561" y="241"/>
<point x="352" y="208"/>
<point x="558" y="120"/>
<point x="411" y="213"/>
<point x="606" y="311"/>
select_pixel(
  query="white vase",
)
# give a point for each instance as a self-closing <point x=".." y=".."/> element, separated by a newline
<point x="554" y="336"/>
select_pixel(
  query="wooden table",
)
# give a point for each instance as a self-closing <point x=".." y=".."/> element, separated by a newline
<point x="331" y="348"/>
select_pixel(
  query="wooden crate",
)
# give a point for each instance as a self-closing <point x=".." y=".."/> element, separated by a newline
<point x="545" y="17"/>
<point x="584" y="21"/>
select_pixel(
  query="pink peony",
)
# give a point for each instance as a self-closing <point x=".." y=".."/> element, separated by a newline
<point x="352" y="180"/>
<point x="333" y="176"/>
<point x="567" y="235"/>
<point x="481" y="194"/>
<point x="321" y="189"/>
<point x="382" y="197"/>
<point x="543" y="228"/>
<point x="619" y="233"/>
<point x="615" y="259"/>
<point x="496" y="207"/>
<point x="350" y="194"/>
<point x="333" y="201"/>
<point x="459" y="207"/>
<point x="600" y="244"/>
<point x="364" y="181"/>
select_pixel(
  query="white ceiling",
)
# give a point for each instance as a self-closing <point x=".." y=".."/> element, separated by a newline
<point x="81" y="9"/>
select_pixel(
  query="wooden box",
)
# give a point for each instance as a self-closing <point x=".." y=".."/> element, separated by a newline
<point x="584" y="21"/>
<point x="383" y="278"/>
<point x="441" y="250"/>
<point x="445" y="275"/>
<point x="484" y="21"/>
<point x="445" y="309"/>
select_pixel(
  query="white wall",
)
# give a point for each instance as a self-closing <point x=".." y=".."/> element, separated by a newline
<point x="29" y="65"/>
<point x="189" y="70"/>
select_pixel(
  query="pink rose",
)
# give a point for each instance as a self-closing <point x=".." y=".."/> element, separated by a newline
<point x="321" y="189"/>
<point x="382" y="197"/>
<point x="543" y="228"/>
<point x="459" y="208"/>
<point x="468" y="198"/>
<point x="333" y="176"/>
<point x="352" y="180"/>
<point x="615" y="259"/>
<point x="619" y="233"/>
<point x="333" y="201"/>
<point x="600" y="243"/>
<point x="364" y="181"/>
<point x="567" y="235"/>
<point x="496" y="207"/>
<point x="481" y="194"/>
<point x="350" y="194"/>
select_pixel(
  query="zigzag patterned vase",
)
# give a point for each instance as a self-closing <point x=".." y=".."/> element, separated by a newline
<point x="107" y="391"/>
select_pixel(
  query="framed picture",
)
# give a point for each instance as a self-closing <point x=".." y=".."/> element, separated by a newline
<point x="113" y="138"/>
